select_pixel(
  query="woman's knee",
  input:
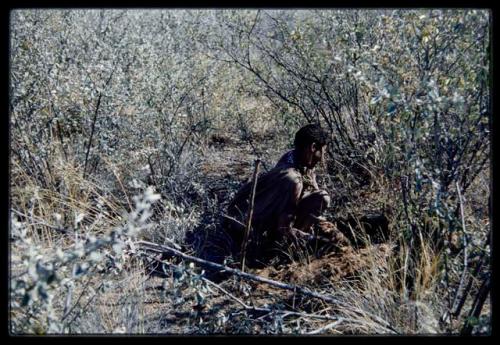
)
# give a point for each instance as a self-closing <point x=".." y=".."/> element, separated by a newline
<point x="325" y="198"/>
<point x="318" y="200"/>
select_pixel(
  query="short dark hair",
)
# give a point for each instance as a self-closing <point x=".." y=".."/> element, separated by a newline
<point x="311" y="133"/>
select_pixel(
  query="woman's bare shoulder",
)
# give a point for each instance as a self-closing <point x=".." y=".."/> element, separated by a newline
<point x="285" y="174"/>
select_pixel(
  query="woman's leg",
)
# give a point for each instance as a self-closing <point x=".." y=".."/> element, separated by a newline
<point x="309" y="208"/>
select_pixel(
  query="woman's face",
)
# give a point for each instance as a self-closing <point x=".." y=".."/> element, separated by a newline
<point x="315" y="154"/>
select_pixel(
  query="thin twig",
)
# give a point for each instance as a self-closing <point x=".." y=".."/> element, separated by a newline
<point x="327" y="327"/>
<point x="224" y="291"/>
<point x="86" y="304"/>
<point x="464" y="272"/>
<point x="471" y="279"/>
<point x="91" y="135"/>
<point x="152" y="172"/>
<point x="94" y="122"/>
<point x="477" y="306"/>
<point x="119" y="182"/>
<point x="84" y="290"/>
<point x="447" y="314"/>
<point x="233" y="219"/>
<point x="40" y="221"/>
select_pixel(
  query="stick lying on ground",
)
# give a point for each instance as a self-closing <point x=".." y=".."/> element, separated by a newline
<point x="165" y="249"/>
<point x="283" y="312"/>
<point x="253" y="308"/>
<point x="145" y="245"/>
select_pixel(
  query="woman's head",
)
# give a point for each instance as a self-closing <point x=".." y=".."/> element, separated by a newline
<point x="310" y="143"/>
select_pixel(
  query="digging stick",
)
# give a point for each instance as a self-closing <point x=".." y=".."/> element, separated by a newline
<point x="250" y="215"/>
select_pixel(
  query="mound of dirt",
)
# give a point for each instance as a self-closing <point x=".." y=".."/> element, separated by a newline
<point x="331" y="231"/>
<point x="334" y="267"/>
